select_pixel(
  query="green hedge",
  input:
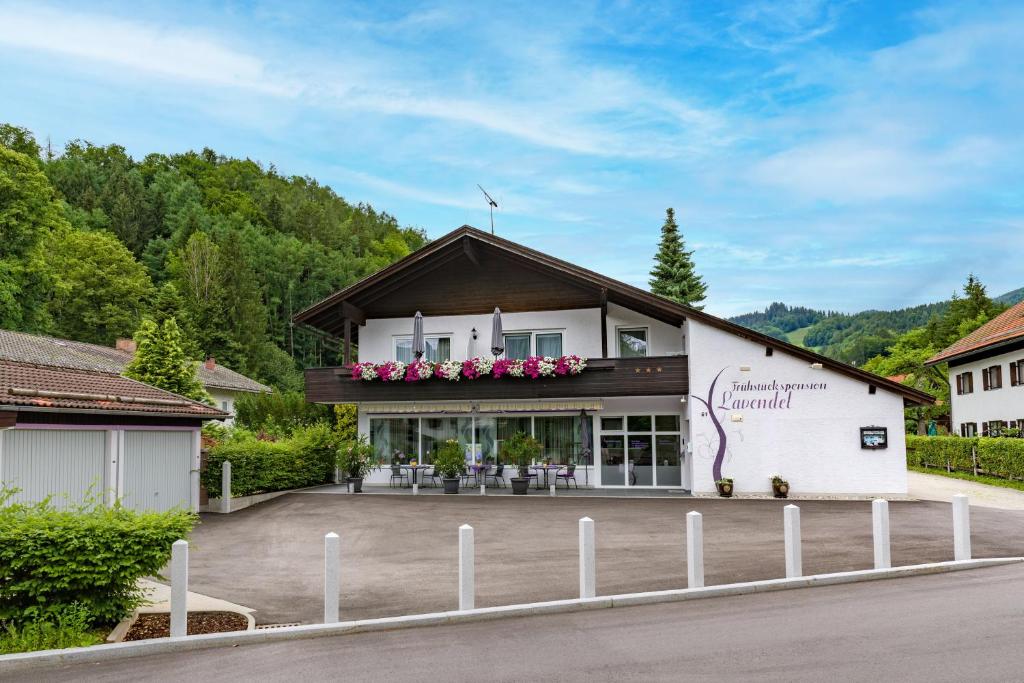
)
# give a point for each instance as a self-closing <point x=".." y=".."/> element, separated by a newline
<point x="91" y="555"/>
<point x="304" y="459"/>
<point x="1000" y="457"/>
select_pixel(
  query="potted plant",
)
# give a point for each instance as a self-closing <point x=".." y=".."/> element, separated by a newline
<point x="780" y="487"/>
<point x="519" y="451"/>
<point x="449" y="463"/>
<point x="355" y="458"/>
<point x="724" y="486"/>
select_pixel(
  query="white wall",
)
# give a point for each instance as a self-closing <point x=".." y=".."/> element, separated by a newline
<point x="812" y="436"/>
<point x="222" y="397"/>
<point x="581" y="332"/>
<point x="1005" y="404"/>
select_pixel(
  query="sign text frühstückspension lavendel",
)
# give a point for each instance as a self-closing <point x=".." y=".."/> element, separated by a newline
<point x="773" y="395"/>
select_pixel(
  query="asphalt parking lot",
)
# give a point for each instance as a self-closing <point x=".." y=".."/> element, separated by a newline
<point x="399" y="553"/>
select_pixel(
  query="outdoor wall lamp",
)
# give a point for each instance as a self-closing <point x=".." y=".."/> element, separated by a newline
<point x="474" y="333"/>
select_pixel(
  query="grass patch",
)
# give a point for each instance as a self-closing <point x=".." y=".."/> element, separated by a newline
<point x="968" y="476"/>
<point x="68" y="626"/>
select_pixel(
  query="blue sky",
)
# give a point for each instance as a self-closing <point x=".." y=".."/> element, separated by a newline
<point x="838" y="155"/>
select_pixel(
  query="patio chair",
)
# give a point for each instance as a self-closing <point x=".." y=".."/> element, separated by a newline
<point x="399" y="475"/>
<point x="467" y="476"/>
<point x="567" y="476"/>
<point x="498" y="475"/>
<point x="433" y="475"/>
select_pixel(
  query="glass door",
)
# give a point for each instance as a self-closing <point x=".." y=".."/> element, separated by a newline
<point x="613" y="460"/>
<point x="641" y="450"/>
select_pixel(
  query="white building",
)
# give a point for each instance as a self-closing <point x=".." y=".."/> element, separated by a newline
<point x="671" y="397"/>
<point x="986" y="376"/>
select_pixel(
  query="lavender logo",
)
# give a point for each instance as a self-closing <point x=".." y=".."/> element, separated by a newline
<point x="720" y="455"/>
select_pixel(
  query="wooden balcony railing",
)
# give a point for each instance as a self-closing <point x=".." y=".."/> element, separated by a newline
<point x="603" y="377"/>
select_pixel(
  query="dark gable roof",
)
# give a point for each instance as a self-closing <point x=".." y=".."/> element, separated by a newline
<point x="465" y="241"/>
<point x="20" y="347"/>
<point x="1005" y="328"/>
<point x="26" y="386"/>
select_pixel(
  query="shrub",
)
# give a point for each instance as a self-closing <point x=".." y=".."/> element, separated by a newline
<point x="279" y="412"/>
<point x="356" y="458"/>
<point x="940" y="451"/>
<point x="1000" y="457"/>
<point x="91" y="555"/>
<point x="520" y="450"/>
<point x="306" y="458"/>
<point x="66" y="626"/>
<point x="449" y="461"/>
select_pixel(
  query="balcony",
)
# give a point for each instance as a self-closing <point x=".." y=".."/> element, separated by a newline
<point x="603" y="377"/>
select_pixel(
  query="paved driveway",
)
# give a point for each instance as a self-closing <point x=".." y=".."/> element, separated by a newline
<point x="399" y="553"/>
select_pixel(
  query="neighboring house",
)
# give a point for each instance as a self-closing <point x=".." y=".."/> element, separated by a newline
<point x="986" y="376"/>
<point x="73" y="434"/>
<point x="671" y="397"/>
<point x="224" y="385"/>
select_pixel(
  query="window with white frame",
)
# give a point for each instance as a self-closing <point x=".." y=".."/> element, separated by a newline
<point x="520" y="345"/>
<point x="633" y="342"/>
<point x="437" y="348"/>
<point x="969" y="429"/>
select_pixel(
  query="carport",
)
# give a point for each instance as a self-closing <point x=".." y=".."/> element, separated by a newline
<point x="74" y="435"/>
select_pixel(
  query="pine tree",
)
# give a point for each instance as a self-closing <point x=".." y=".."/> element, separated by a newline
<point x="160" y="361"/>
<point x="674" y="275"/>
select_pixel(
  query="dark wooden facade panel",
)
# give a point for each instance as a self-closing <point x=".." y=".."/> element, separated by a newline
<point x="604" y="377"/>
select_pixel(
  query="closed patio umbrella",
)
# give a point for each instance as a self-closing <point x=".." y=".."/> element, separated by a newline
<point x="497" y="336"/>
<point x="586" y="444"/>
<point x="417" y="335"/>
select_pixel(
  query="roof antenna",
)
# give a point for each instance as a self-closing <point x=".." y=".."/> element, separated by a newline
<point x="492" y="204"/>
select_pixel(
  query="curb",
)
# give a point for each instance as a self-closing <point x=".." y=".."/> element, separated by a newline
<point x="31" y="660"/>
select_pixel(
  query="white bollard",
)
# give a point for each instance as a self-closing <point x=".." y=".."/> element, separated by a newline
<point x="225" y="486"/>
<point x="794" y="557"/>
<point x="179" y="589"/>
<point x="483" y="489"/>
<point x="553" y="490"/>
<point x="880" y="527"/>
<point x="415" y="488"/>
<point x="588" y="560"/>
<point x="332" y="576"/>
<point x="467" y="568"/>
<point x="961" y="528"/>
<point x="694" y="550"/>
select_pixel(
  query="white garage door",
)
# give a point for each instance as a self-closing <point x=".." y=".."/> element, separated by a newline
<point x="157" y="470"/>
<point x="65" y="464"/>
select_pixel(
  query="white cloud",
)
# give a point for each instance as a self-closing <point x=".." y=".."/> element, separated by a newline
<point x="167" y="52"/>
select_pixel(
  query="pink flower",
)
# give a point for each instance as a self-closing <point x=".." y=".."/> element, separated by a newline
<point x="469" y="370"/>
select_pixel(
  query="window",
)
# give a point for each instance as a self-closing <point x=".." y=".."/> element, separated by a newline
<point x="992" y="378"/>
<point x="395" y="440"/>
<point x="969" y="429"/>
<point x="549" y="344"/>
<point x="436" y="349"/>
<point x="1017" y="373"/>
<point x="632" y="342"/>
<point x="560" y="437"/>
<point x="517" y="346"/>
<point x="965" y="383"/>
<point x="520" y="345"/>
<point x="992" y="428"/>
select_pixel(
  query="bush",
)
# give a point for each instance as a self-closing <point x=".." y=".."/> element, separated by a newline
<point x="450" y="461"/>
<point x="67" y="626"/>
<point x="279" y="412"/>
<point x="999" y="457"/>
<point x="306" y="458"/>
<point x="355" y="457"/>
<point x="91" y="555"/>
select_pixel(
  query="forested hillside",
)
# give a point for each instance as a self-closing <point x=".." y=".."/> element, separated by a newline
<point x="94" y="240"/>
<point x="851" y="338"/>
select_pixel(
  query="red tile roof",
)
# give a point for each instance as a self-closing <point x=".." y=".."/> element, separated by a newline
<point x="35" y="386"/>
<point x="1006" y="326"/>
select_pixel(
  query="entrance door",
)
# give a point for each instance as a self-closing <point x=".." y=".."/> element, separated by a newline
<point x="641" y="450"/>
<point x="613" y="460"/>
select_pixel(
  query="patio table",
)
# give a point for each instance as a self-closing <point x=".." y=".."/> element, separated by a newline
<point x="546" y="469"/>
<point x="413" y="471"/>
<point x="480" y="471"/>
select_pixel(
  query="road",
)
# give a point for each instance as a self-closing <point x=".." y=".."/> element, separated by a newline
<point x="953" y="627"/>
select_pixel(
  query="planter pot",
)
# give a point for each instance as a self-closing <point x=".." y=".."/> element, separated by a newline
<point x="724" y="489"/>
<point x="781" y="490"/>
<point x="357" y="484"/>
<point x="451" y="485"/>
<point x="520" y="486"/>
